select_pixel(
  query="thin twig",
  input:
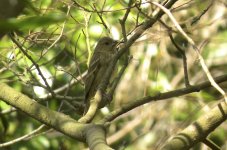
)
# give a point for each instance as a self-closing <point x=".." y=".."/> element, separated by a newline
<point x="101" y="18"/>
<point x="23" y="137"/>
<point x="62" y="88"/>
<point x="86" y="34"/>
<point x="102" y="11"/>
<point x="202" y="62"/>
<point x="197" y="18"/>
<point x="211" y="144"/>
<point x="124" y="49"/>
<point x="7" y="111"/>
<point x="61" y="33"/>
<point x="122" y="21"/>
<point x="161" y="96"/>
<point x="180" y="6"/>
<point x="184" y="58"/>
<point x="34" y="63"/>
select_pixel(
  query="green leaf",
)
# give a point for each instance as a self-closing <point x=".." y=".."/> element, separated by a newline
<point x="30" y="22"/>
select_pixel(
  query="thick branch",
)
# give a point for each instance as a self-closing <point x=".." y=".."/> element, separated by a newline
<point x="96" y="138"/>
<point x="199" y="130"/>
<point x="56" y="120"/>
<point x="94" y="134"/>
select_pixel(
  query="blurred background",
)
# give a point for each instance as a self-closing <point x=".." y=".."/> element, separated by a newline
<point x="60" y="36"/>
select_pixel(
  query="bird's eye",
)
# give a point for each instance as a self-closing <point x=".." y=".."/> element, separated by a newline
<point x="106" y="43"/>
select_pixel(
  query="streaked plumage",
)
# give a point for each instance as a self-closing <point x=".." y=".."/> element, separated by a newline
<point x="103" y="53"/>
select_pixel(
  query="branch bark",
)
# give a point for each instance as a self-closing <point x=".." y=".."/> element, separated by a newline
<point x="199" y="130"/>
<point x="96" y="138"/>
<point x="93" y="134"/>
<point x="56" y="120"/>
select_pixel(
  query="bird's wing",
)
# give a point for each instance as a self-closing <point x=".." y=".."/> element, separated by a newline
<point x="90" y="77"/>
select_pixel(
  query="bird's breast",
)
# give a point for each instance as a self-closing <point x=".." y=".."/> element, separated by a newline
<point x="105" y="58"/>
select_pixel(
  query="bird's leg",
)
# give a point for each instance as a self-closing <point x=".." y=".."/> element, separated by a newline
<point x="106" y="99"/>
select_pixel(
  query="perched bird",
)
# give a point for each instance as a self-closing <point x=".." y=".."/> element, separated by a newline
<point x="103" y="53"/>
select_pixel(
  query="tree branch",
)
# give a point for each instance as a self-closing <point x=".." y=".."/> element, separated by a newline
<point x="184" y="58"/>
<point x="202" y="62"/>
<point x="56" y="120"/>
<point x="125" y="47"/>
<point x="161" y="96"/>
<point x="199" y="130"/>
<point x="96" y="138"/>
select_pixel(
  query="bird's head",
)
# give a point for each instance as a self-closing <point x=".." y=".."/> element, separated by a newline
<point x="106" y="44"/>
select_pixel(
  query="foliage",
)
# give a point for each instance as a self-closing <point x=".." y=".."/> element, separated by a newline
<point x="60" y="37"/>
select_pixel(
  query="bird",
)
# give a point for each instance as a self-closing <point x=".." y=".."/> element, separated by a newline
<point x="103" y="53"/>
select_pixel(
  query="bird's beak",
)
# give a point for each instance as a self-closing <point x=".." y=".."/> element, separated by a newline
<point x="115" y="42"/>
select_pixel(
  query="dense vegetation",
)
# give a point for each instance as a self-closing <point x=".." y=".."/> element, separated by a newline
<point x="161" y="85"/>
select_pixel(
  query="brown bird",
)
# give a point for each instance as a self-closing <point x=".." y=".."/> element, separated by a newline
<point x="103" y="53"/>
